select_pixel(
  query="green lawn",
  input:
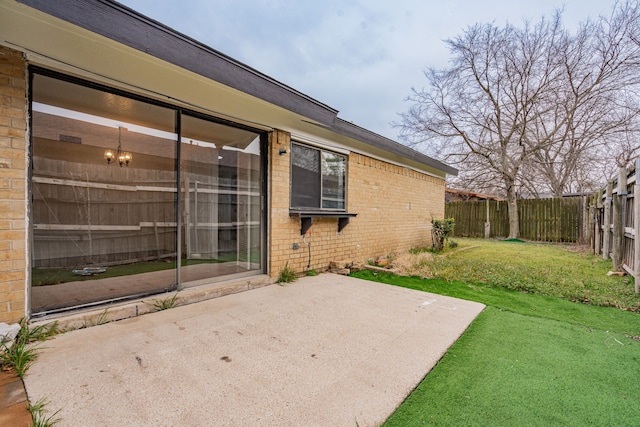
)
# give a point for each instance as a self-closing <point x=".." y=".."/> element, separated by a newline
<point x="514" y="370"/>
<point x="532" y="357"/>
<point x="547" y="269"/>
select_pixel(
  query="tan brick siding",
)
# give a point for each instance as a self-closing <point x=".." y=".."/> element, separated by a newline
<point x="13" y="125"/>
<point x="394" y="206"/>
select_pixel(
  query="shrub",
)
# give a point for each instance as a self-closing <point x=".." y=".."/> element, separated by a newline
<point x="18" y="354"/>
<point x="166" y="303"/>
<point x="440" y="230"/>
<point x="39" y="417"/>
<point x="287" y="275"/>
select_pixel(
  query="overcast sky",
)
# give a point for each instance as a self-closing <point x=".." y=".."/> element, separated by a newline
<point x="361" y="57"/>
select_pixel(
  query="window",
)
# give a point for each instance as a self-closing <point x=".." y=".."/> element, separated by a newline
<point x="318" y="179"/>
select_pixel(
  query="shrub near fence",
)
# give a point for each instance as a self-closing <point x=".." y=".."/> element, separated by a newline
<point x="544" y="220"/>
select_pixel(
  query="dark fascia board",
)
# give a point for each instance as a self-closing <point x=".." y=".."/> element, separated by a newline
<point x="350" y="130"/>
<point x="124" y="25"/>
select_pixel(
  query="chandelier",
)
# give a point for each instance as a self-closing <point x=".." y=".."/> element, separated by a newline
<point x="123" y="157"/>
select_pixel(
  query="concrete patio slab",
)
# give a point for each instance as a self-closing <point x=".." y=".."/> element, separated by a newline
<point x="323" y="351"/>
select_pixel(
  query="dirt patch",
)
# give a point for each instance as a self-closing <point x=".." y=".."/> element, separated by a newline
<point x="586" y="249"/>
<point x="409" y="264"/>
<point x="419" y="264"/>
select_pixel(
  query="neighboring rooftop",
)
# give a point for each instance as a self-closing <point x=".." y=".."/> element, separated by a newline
<point x="452" y="194"/>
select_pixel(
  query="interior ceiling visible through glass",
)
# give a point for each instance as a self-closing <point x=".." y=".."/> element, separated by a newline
<point x="104" y="230"/>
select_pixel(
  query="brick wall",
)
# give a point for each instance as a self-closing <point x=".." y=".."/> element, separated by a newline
<point x="13" y="124"/>
<point x="394" y="206"/>
<point x="280" y="225"/>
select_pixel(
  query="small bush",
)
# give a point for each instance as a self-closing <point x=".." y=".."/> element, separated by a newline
<point x="19" y="355"/>
<point x="452" y="244"/>
<point x="440" y="230"/>
<point x="37" y="333"/>
<point x="166" y="303"/>
<point x="287" y="275"/>
<point x="39" y="417"/>
<point x="312" y="272"/>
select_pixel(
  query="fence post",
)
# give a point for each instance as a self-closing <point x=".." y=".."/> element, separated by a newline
<point x="597" y="224"/>
<point x="585" y="232"/>
<point x="487" y="223"/>
<point x="606" y="235"/>
<point x="636" y="227"/>
<point x="618" y="223"/>
<point x="591" y="220"/>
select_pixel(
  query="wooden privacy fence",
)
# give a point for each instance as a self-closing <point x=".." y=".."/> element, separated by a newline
<point x="470" y="217"/>
<point x="544" y="220"/>
<point x="616" y="228"/>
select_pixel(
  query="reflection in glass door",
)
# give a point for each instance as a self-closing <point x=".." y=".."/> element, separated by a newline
<point x="107" y="220"/>
<point x="221" y="182"/>
<point x="103" y="196"/>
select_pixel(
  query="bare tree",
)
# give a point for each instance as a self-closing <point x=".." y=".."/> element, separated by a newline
<point x="478" y="112"/>
<point x="596" y="102"/>
<point x="530" y="109"/>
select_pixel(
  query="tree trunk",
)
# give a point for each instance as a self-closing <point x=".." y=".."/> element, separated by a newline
<point x="514" y="223"/>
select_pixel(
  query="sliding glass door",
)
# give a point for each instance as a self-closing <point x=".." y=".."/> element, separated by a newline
<point x="221" y="182"/>
<point x="107" y="219"/>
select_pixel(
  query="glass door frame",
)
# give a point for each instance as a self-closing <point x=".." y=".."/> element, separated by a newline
<point x="179" y="112"/>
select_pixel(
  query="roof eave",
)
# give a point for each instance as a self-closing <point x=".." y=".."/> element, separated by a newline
<point x="351" y="130"/>
<point x="124" y="25"/>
